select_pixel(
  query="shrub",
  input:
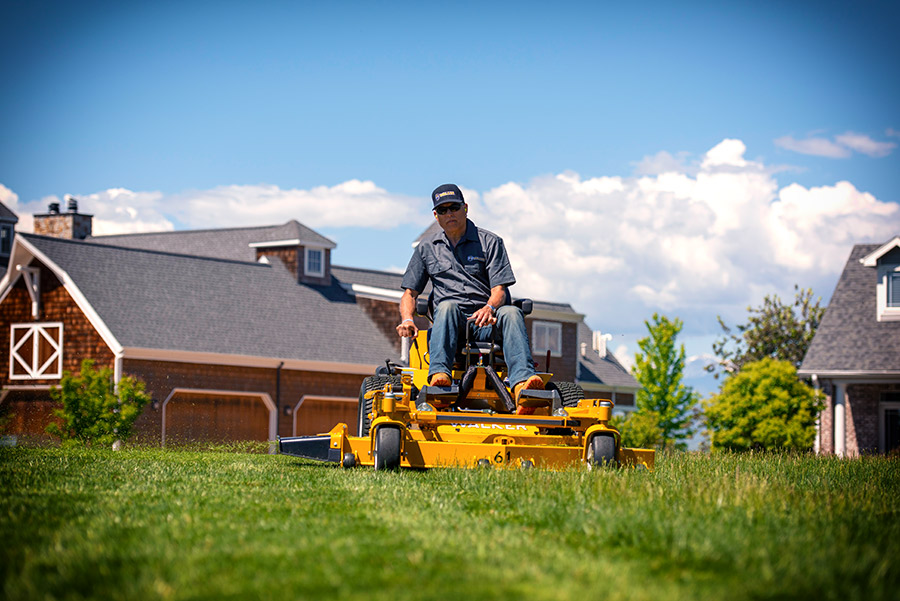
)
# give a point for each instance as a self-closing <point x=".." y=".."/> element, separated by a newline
<point x="93" y="410"/>
<point x="639" y="429"/>
<point x="763" y="406"/>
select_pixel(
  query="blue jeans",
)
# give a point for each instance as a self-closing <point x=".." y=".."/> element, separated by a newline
<point x="447" y="335"/>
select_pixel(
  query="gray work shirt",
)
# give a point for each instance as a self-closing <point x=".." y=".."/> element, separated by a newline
<point x="464" y="274"/>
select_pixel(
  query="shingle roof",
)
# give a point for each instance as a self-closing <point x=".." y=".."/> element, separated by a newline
<point x="7" y="215"/>
<point x="850" y="338"/>
<point x="601" y="370"/>
<point x="227" y="243"/>
<point x="367" y="277"/>
<point x="164" y="300"/>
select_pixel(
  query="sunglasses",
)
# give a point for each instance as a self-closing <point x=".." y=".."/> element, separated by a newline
<point x="448" y="208"/>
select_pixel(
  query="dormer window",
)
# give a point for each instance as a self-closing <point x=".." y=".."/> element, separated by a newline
<point x="315" y="262"/>
<point x="886" y="261"/>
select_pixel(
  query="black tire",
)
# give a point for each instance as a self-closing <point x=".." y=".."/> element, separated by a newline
<point x="365" y="406"/>
<point x="387" y="448"/>
<point x="569" y="392"/>
<point x="603" y="451"/>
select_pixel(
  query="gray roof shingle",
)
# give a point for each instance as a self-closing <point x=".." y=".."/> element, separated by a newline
<point x="227" y="243"/>
<point x="164" y="300"/>
<point x="850" y="338"/>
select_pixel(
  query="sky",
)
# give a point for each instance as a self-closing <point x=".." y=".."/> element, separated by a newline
<point x="649" y="157"/>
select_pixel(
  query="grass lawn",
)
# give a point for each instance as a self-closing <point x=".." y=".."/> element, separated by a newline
<point x="151" y="524"/>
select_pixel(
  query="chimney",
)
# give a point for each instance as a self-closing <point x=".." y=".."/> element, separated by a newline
<point x="71" y="225"/>
<point x="599" y="341"/>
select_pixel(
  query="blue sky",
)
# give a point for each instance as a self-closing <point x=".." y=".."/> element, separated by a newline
<point x="684" y="157"/>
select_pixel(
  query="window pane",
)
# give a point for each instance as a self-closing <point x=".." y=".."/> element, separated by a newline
<point x="893" y="290"/>
<point x="314" y="261"/>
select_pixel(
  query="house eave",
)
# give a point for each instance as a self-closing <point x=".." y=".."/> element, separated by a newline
<point x="205" y="358"/>
<point x="876" y="374"/>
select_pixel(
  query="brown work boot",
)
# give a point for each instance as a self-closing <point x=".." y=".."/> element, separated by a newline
<point x="440" y="380"/>
<point x="533" y="383"/>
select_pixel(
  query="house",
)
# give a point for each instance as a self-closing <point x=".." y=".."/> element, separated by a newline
<point x="239" y="333"/>
<point x="854" y="357"/>
<point x="8" y="221"/>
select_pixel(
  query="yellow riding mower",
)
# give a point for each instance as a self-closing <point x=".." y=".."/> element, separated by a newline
<point x="404" y="422"/>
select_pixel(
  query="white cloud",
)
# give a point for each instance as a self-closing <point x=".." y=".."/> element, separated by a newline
<point x="865" y="145"/>
<point x="352" y="203"/>
<point x="820" y="147"/>
<point x="841" y="147"/>
<point x="711" y="239"/>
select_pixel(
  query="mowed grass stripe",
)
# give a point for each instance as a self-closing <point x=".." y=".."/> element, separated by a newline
<point x="154" y="524"/>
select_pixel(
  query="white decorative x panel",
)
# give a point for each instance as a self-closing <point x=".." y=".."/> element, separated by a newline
<point x="35" y="351"/>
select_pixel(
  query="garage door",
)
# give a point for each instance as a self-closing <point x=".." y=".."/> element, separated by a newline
<point x="319" y="414"/>
<point x="215" y="416"/>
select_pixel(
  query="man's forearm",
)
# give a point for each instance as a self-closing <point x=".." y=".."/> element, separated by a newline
<point x="498" y="297"/>
<point x="407" y="305"/>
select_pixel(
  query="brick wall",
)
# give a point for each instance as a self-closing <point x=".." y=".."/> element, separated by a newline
<point x="861" y="409"/>
<point x="80" y="339"/>
<point x="863" y="415"/>
<point x="826" y="421"/>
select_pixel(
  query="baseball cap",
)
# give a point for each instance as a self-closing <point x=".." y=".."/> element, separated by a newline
<point x="447" y="193"/>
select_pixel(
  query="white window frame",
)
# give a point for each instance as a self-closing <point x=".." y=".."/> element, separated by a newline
<point x="888" y="275"/>
<point x="51" y="368"/>
<point x="306" y="262"/>
<point x="893" y="289"/>
<point x="554" y="333"/>
<point x="883" y="408"/>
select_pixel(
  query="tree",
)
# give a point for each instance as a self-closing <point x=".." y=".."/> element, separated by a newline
<point x="94" y="410"/>
<point x="639" y="430"/>
<point x="773" y="330"/>
<point x="764" y="406"/>
<point x="658" y="368"/>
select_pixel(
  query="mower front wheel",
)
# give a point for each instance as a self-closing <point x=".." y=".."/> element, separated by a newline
<point x="602" y="452"/>
<point x="387" y="448"/>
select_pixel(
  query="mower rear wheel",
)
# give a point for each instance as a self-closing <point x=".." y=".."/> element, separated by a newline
<point x="365" y="406"/>
<point x="603" y="451"/>
<point x="569" y="392"/>
<point x="387" y="448"/>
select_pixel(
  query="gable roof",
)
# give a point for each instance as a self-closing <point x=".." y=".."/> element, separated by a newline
<point x="594" y="369"/>
<point x="871" y="260"/>
<point x="182" y="303"/>
<point x="7" y="215"/>
<point x="850" y="339"/>
<point x="227" y="243"/>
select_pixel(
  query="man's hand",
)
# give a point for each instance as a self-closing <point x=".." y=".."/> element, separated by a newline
<point x="408" y="329"/>
<point x="484" y="317"/>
